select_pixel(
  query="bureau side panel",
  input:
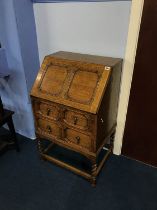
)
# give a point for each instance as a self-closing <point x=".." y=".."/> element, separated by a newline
<point x="107" y="114"/>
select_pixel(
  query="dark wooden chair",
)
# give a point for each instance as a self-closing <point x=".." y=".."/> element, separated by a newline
<point x="6" y="118"/>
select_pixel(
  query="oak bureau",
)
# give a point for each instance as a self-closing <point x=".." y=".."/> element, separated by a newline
<point x="75" y="102"/>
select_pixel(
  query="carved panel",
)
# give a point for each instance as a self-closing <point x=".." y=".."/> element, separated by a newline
<point x="83" y="86"/>
<point x="77" y="138"/>
<point x="53" y="79"/>
<point x="48" y="128"/>
<point x="76" y="119"/>
<point x="46" y="110"/>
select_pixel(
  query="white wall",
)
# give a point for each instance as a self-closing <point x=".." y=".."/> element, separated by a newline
<point x="95" y="28"/>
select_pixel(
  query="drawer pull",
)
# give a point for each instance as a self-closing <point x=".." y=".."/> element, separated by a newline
<point x="49" y="129"/>
<point x="75" y="120"/>
<point x="48" y="112"/>
<point x="77" y="139"/>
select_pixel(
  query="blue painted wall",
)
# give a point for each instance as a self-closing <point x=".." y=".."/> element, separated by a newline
<point x="27" y="39"/>
<point x="18" y="37"/>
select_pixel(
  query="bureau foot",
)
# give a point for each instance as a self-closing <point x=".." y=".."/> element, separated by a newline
<point x="93" y="181"/>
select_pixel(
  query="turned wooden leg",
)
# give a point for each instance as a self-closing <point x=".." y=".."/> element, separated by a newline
<point x="12" y="131"/>
<point x="40" y="148"/>
<point x="94" y="168"/>
<point x="39" y="145"/>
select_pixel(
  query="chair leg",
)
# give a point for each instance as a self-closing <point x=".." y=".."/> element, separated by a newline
<point x="12" y="130"/>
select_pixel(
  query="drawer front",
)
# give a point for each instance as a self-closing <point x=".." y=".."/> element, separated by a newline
<point x="48" y="128"/>
<point x="77" y="138"/>
<point x="47" y="110"/>
<point x="76" y="119"/>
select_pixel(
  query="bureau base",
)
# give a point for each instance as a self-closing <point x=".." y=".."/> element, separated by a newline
<point x="90" y="166"/>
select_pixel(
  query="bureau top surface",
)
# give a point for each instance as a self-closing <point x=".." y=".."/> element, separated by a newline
<point x="75" y="80"/>
<point x="107" y="61"/>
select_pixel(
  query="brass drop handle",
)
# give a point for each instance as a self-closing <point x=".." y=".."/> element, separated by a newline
<point x="48" y="112"/>
<point x="75" y="120"/>
<point x="49" y="129"/>
<point x="77" y="139"/>
<point x="102" y="121"/>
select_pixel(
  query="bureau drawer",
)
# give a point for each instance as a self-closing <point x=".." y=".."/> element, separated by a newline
<point x="47" y="110"/>
<point x="77" y="138"/>
<point x="49" y="128"/>
<point x="76" y="119"/>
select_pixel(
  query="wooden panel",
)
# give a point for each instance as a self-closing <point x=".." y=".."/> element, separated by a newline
<point x="49" y="128"/>
<point x="107" y="114"/>
<point x="83" y="87"/>
<point x="80" y="121"/>
<point x="95" y="59"/>
<point x="47" y="110"/>
<point x="52" y="80"/>
<point x="140" y="136"/>
<point x="72" y="83"/>
<point x="77" y="138"/>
